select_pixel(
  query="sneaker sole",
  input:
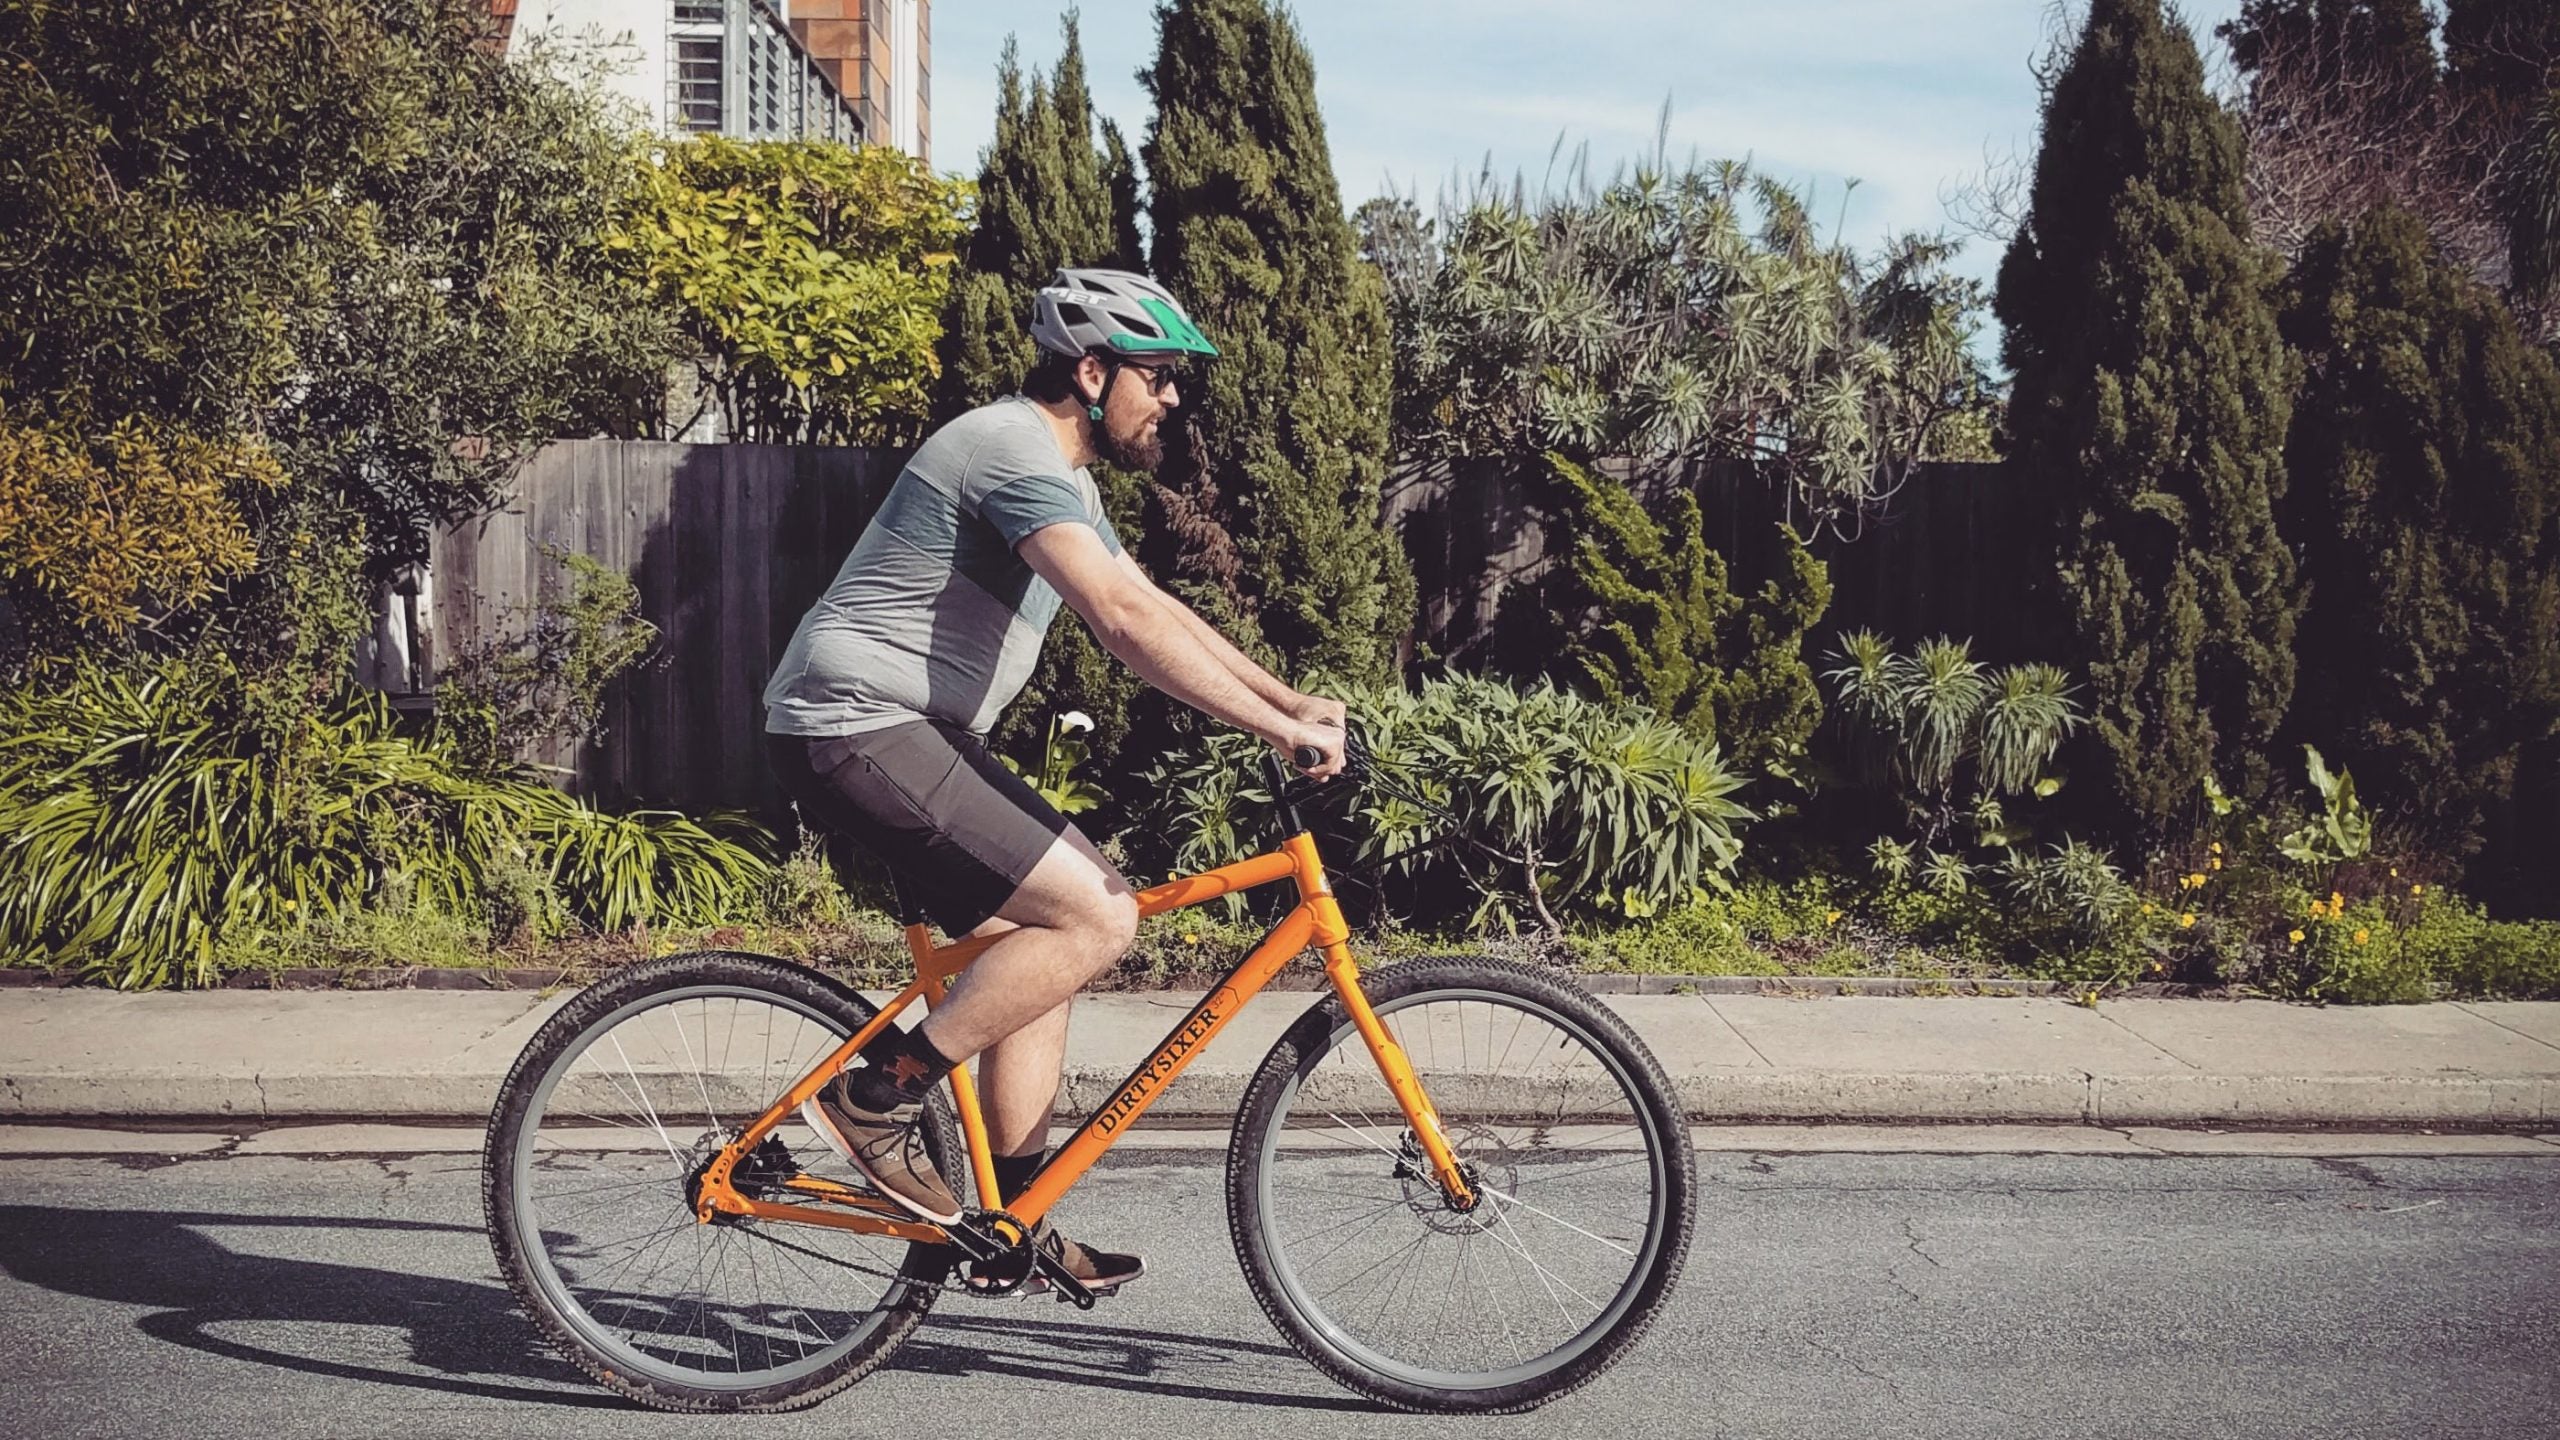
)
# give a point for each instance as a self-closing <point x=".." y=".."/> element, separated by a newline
<point x="1040" y="1284"/>
<point x="814" y="1115"/>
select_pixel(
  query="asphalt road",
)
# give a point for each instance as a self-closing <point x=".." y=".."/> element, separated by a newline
<point x="1827" y="1295"/>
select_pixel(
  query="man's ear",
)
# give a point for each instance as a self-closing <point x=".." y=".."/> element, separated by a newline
<point x="1100" y="374"/>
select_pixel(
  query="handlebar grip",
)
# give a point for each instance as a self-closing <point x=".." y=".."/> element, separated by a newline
<point x="1306" y="757"/>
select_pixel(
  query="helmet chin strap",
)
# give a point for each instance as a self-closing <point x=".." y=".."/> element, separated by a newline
<point x="1093" y="408"/>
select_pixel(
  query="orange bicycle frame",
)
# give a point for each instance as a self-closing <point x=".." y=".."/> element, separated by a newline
<point x="1315" y="921"/>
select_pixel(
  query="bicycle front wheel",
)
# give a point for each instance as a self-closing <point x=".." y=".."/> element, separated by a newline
<point x="613" y="1110"/>
<point x="1564" y="1127"/>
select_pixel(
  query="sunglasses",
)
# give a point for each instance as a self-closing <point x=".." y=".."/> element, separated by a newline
<point x="1158" y="378"/>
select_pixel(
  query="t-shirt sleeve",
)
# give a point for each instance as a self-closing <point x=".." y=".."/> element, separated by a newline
<point x="1014" y="484"/>
<point x="1032" y="502"/>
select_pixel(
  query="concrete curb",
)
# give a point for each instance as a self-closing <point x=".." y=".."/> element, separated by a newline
<point x="417" y="1057"/>
<point x="1211" y="1096"/>
<point x="1600" y="983"/>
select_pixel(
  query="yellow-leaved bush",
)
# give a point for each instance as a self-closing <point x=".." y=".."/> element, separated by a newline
<point x="811" y="275"/>
<point x="107" y="528"/>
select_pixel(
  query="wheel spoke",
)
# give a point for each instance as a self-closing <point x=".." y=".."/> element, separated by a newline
<point x="626" y="1271"/>
<point x="1418" y="1293"/>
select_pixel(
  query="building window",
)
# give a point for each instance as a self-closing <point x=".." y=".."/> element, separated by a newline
<point x="735" y="69"/>
<point x="698" y="72"/>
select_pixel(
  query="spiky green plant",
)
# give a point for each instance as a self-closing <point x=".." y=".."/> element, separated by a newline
<point x="1952" y="736"/>
<point x="1562" y="801"/>
<point x="145" y="816"/>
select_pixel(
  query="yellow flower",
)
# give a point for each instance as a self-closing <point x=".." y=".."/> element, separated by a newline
<point x="2148" y="907"/>
<point x="2187" y="921"/>
<point x="2295" y="936"/>
<point x="1190" y="937"/>
<point x="2337" y="902"/>
<point x="1832" y="918"/>
<point x="2417" y="889"/>
<point x="2196" y="880"/>
<point x="2363" y="935"/>
<point x="2395" y="872"/>
<point x="2214" y="864"/>
<point x="2215" y="847"/>
<point x="291" y="904"/>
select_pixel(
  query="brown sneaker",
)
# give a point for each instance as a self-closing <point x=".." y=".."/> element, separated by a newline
<point x="1101" y="1271"/>
<point x="887" y="1148"/>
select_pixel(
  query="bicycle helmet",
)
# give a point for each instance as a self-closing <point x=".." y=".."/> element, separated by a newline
<point x="1114" y="313"/>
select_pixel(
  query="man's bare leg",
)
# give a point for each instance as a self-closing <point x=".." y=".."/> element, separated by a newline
<point x="1069" y="921"/>
<point x="1018" y="1076"/>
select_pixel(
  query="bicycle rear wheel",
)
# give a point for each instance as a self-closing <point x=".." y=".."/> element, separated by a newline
<point x="1567" y="1131"/>
<point x="615" y="1105"/>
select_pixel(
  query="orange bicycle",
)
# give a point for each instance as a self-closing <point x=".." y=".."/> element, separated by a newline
<point x="1455" y="1184"/>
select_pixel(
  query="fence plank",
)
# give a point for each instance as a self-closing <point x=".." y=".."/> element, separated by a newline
<point x="730" y="544"/>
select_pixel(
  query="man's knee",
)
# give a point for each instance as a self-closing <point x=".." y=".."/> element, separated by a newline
<point x="1108" y="923"/>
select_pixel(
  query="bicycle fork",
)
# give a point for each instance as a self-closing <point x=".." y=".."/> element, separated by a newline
<point x="1332" y="934"/>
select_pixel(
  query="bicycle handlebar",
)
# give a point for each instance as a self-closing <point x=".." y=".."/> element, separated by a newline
<point x="1355" y="755"/>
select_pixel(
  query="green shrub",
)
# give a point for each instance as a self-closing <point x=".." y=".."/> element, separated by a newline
<point x="547" y="683"/>
<point x="394" y="934"/>
<point x="1699" y="938"/>
<point x="1953" y="739"/>
<point x="1607" y="807"/>
<point x="145" y="816"/>
<point x="805" y="890"/>
<point x="1674" y="633"/>
<point x="2358" y="955"/>
<point x="2514" y="960"/>
<point x="1772" y="913"/>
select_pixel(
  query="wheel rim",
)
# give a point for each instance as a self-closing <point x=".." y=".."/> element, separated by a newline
<point x="1573" y="1171"/>
<point x="599" y="1211"/>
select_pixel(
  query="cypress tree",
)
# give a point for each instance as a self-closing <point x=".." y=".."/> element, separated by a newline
<point x="1675" y="634"/>
<point x="2383" y="48"/>
<point x="1269" y="499"/>
<point x="2426" y="457"/>
<point x="1048" y="198"/>
<point x="2150" y="410"/>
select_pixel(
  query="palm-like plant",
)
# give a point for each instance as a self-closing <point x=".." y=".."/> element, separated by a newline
<point x="1954" y="736"/>
<point x="1677" y="314"/>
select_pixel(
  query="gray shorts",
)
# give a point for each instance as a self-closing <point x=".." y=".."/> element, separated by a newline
<point x="958" y="830"/>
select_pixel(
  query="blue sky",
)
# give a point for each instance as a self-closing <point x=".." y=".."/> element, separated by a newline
<point x="1903" y="95"/>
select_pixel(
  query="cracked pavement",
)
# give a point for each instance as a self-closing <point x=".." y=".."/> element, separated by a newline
<point x="2354" y="1290"/>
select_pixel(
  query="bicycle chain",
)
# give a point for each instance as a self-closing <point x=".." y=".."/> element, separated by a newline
<point x="955" y="1287"/>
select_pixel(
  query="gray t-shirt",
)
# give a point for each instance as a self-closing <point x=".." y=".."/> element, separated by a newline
<point x="933" y="614"/>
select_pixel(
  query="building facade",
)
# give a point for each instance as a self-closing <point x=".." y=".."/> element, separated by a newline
<point x="856" y="71"/>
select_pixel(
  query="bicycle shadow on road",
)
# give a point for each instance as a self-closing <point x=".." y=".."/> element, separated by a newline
<point x="193" y="1284"/>
<point x="1105" y="1357"/>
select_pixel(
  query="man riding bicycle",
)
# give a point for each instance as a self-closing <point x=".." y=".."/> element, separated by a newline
<point x="878" y="711"/>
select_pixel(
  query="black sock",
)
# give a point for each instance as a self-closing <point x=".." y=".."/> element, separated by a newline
<point x="900" y="1066"/>
<point x="1015" y="1171"/>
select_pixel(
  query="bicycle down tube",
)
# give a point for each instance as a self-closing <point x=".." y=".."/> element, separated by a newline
<point x="1316" y="921"/>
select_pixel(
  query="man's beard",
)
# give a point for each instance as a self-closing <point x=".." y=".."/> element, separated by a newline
<point x="1141" y="453"/>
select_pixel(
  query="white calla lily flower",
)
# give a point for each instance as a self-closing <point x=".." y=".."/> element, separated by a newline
<point x="1075" y="720"/>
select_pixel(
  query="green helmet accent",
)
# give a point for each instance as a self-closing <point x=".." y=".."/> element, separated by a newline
<point x="1083" y="311"/>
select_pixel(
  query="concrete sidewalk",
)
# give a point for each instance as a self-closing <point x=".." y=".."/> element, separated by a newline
<point x="424" y="1056"/>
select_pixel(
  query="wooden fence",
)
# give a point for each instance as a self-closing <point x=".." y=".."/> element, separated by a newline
<point x="730" y="544"/>
<point x="1955" y="552"/>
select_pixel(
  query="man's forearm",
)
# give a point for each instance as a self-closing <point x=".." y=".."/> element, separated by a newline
<point x="1174" y="658"/>
<point x="1273" y="690"/>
